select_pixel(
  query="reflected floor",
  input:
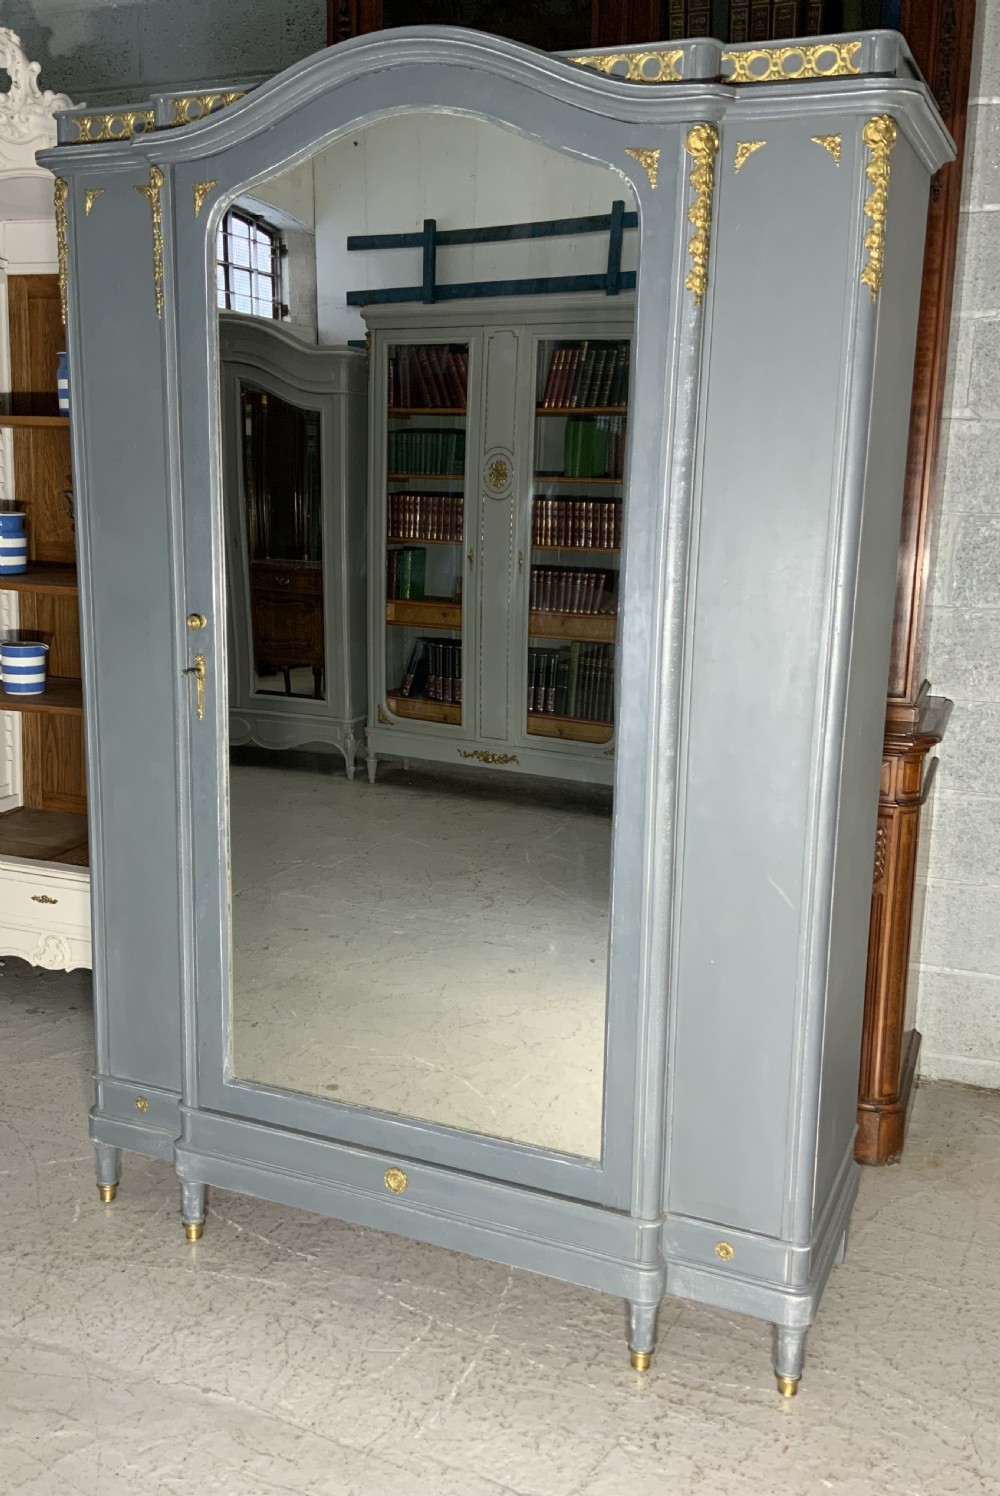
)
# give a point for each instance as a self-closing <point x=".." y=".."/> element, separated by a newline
<point x="433" y="945"/>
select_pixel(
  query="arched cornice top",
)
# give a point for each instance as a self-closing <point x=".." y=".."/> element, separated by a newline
<point x="413" y="53"/>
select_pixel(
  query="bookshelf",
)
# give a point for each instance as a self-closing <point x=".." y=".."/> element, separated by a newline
<point x="498" y="436"/>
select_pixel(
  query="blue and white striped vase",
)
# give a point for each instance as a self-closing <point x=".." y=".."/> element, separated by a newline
<point x="62" y="383"/>
<point x="23" y="665"/>
<point x="13" y="543"/>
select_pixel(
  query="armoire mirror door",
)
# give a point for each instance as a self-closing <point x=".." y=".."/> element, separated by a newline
<point x="434" y="945"/>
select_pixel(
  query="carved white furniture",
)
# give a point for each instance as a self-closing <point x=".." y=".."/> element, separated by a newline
<point x="44" y="902"/>
<point x="294" y="473"/>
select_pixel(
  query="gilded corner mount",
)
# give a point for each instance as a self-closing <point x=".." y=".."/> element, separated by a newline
<point x="702" y="144"/>
<point x="201" y="191"/>
<point x="744" y="150"/>
<point x="831" y="143"/>
<point x="879" y="135"/>
<point x="647" y="158"/>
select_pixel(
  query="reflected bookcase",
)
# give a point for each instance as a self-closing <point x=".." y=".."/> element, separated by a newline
<point x="497" y="457"/>
<point x="44" y="856"/>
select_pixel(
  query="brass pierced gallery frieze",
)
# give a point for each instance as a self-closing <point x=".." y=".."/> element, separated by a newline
<point x="201" y="191"/>
<point x="191" y="107"/>
<point x="488" y="758"/>
<point x="702" y="144"/>
<point x="90" y="198"/>
<point x="788" y="64"/>
<point x="831" y="143"/>
<point x="744" y="150"/>
<point x="92" y="128"/>
<point x="879" y="135"/>
<point x="640" y="67"/>
<point x="60" y="194"/>
<point x="152" y="196"/>
<point x="648" y="158"/>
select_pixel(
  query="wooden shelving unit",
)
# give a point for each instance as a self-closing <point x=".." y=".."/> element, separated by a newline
<point x="570" y="729"/>
<point x="35" y="423"/>
<point x="591" y="628"/>
<point x="429" y="613"/>
<point x="51" y="724"/>
<point x="543" y="479"/>
<point x="400" y="412"/>
<point x="581" y="410"/>
<point x="55" y="581"/>
<point x="62" y="695"/>
<point x="420" y="710"/>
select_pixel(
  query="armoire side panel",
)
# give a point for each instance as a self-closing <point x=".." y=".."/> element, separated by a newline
<point x="128" y="624"/>
<point x="762" y="557"/>
<point x="885" y="473"/>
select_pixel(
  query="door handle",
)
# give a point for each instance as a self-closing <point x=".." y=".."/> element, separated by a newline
<point x="199" y="670"/>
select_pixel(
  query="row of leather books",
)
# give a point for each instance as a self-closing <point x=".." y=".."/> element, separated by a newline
<point x="564" y="590"/>
<point x="587" y="374"/>
<point x="433" y="671"/>
<point x="406" y="573"/>
<point x="590" y="524"/>
<point x="576" y="680"/>
<point x="764" y="20"/>
<point x="594" y="447"/>
<point x="428" y="376"/>
<point x="438" y="452"/>
<point x="425" y="516"/>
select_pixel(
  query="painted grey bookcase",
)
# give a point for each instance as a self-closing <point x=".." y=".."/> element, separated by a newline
<point x="513" y="456"/>
<point x="782" y="195"/>
<point x="325" y="390"/>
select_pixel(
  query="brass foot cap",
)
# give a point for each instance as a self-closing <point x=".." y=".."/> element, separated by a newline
<point x="787" y="1386"/>
<point x="194" y="1230"/>
<point x="641" y="1360"/>
<point x="107" y="1192"/>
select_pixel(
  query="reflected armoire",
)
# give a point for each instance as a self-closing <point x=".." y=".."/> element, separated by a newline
<point x="781" y="202"/>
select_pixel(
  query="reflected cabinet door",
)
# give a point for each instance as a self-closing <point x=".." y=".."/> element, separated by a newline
<point x="284" y="528"/>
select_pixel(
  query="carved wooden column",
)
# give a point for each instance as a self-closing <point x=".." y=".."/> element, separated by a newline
<point x="939" y="33"/>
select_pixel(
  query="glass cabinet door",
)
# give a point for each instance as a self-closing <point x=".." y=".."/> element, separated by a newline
<point x="581" y="404"/>
<point x="284" y="523"/>
<point x="424" y="529"/>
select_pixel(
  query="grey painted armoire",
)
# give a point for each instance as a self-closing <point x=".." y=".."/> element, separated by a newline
<point x="781" y="195"/>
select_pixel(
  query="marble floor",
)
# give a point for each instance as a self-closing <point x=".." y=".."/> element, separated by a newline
<point x="434" y="944"/>
<point x="285" y="1355"/>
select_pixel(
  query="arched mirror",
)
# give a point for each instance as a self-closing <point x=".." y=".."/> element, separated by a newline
<point x="431" y="944"/>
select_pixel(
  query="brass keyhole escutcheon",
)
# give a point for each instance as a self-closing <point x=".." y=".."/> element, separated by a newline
<point x="196" y="620"/>
<point x="396" y="1181"/>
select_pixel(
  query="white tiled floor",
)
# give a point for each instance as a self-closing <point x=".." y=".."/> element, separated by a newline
<point x="288" y="1354"/>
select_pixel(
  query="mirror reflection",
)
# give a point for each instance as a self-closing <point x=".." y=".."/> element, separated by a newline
<point x="424" y="504"/>
<point x="284" y="543"/>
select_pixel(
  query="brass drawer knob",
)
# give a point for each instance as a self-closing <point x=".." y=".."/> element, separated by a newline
<point x="396" y="1181"/>
<point x="725" y="1251"/>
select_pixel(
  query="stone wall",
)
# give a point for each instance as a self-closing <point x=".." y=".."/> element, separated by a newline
<point x="958" y="1005"/>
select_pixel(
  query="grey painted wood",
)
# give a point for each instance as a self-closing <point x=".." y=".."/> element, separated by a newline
<point x="765" y="476"/>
